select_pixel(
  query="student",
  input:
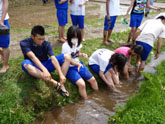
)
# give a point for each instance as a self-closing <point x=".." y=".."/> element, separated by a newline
<point x="137" y="13"/>
<point x="112" y="11"/>
<point x="39" y="59"/>
<point x="77" y="13"/>
<point x="79" y="73"/>
<point x="147" y="33"/>
<point x="129" y="51"/>
<point x="107" y="64"/>
<point x="4" y="39"/>
<point x="62" y="8"/>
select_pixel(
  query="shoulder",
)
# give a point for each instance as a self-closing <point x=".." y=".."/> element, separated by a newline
<point x="26" y="41"/>
<point x="65" y="45"/>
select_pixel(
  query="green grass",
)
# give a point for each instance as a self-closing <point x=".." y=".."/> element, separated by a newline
<point x="161" y="1"/>
<point x="148" y="105"/>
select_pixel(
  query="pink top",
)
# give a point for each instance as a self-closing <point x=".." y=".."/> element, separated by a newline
<point x="123" y="50"/>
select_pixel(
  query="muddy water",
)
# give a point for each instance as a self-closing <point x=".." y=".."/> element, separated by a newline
<point x="95" y="110"/>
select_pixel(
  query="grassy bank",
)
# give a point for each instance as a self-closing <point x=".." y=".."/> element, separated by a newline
<point x="24" y="98"/>
<point x="148" y="105"/>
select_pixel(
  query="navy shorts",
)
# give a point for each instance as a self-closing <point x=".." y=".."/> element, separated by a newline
<point x="78" y="20"/>
<point x="5" y="39"/>
<point x="146" y="50"/>
<point x="136" y="20"/>
<point x="62" y="17"/>
<point x="48" y="64"/>
<point x="109" y="24"/>
<point x="73" y="75"/>
<point x="96" y="68"/>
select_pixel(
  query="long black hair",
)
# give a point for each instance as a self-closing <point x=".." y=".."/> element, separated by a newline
<point x="118" y="60"/>
<point x="74" y="31"/>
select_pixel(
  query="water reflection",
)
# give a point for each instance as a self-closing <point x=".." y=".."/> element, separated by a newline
<point x="95" y="110"/>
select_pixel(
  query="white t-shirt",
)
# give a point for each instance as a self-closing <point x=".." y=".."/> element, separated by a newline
<point x="101" y="58"/>
<point x="74" y="51"/>
<point x="114" y="8"/>
<point x="75" y="9"/>
<point x="7" y="16"/>
<point x="154" y="28"/>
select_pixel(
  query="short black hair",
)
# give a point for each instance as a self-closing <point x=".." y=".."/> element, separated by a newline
<point x="38" y="29"/>
<point x="161" y="17"/>
<point x="118" y="60"/>
<point x="138" y="49"/>
<point x="72" y="32"/>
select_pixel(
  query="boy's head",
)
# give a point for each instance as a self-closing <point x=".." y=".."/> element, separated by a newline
<point x="38" y="34"/>
<point x="118" y="60"/>
<point x="161" y="16"/>
<point x="136" y="50"/>
<point x="74" y="34"/>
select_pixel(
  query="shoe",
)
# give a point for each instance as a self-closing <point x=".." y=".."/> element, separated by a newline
<point x="60" y="91"/>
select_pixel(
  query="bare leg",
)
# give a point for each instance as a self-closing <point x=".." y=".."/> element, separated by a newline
<point x="105" y="33"/>
<point x="82" y="34"/>
<point x="6" y="53"/>
<point x="109" y="35"/>
<point x="37" y="73"/>
<point x="131" y="33"/>
<point x="66" y="64"/>
<point x="61" y="33"/>
<point x="1" y="54"/>
<point x="82" y="88"/>
<point x="93" y="83"/>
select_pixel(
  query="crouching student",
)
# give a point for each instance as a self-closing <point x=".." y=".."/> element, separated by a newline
<point x="39" y="60"/>
<point x="78" y="73"/>
<point x="107" y="64"/>
<point x="147" y="33"/>
<point x="129" y="51"/>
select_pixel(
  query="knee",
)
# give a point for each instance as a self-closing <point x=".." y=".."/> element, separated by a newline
<point x="27" y="66"/>
<point x="67" y="57"/>
<point x="81" y="85"/>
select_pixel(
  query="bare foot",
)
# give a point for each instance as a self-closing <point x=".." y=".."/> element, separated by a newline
<point x="83" y="39"/>
<point x="61" y="40"/>
<point x="106" y="43"/>
<point x="4" y="69"/>
<point x="110" y="41"/>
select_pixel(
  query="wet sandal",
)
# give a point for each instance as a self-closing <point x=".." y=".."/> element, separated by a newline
<point x="60" y="91"/>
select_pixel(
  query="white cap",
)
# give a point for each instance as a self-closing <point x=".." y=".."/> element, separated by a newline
<point x="161" y="14"/>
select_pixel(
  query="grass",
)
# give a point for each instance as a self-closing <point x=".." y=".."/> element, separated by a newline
<point x="148" y="105"/>
<point x="161" y="1"/>
<point x="22" y="98"/>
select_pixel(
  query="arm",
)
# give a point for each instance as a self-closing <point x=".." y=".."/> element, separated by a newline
<point x="83" y="55"/>
<point x="58" y="68"/>
<point x="129" y="59"/>
<point x="77" y="64"/>
<point x="159" y="45"/>
<point x="4" y="11"/>
<point x="46" y="74"/>
<point x="115" y="75"/>
<point x="126" y="74"/>
<point x="109" y="83"/>
<point x="84" y="3"/>
<point x="129" y="8"/>
<point x="151" y="7"/>
<point x="107" y="9"/>
<point x="62" y="1"/>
